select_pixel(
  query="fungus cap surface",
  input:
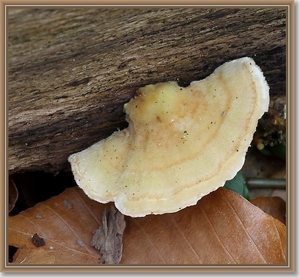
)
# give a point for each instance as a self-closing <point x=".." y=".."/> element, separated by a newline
<point x="181" y="143"/>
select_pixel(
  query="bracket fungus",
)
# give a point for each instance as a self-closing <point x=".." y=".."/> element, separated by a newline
<point x="180" y="144"/>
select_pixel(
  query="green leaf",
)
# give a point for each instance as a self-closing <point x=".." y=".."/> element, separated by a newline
<point x="238" y="185"/>
<point x="279" y="150"/>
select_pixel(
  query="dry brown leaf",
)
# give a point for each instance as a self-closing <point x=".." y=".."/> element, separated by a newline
<point x="223" y="228"/>
<point x="66" y="222"/>
<point x="25" y="255"/>
<point x="274" y="206"/>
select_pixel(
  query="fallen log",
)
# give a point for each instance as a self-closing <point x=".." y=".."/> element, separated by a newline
<point x="70" y="70"/>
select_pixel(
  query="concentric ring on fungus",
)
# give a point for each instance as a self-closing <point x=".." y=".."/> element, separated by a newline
<point x="181" y="143"/>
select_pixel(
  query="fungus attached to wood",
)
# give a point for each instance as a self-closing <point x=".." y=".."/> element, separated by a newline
<point x="181" y="143"/>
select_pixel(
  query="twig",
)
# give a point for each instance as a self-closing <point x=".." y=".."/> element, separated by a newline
<point x="266" y="183"/>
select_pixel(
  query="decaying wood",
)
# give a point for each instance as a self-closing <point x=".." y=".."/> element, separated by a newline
<point x="108" y="238"/>
<point x="70" y="70"/>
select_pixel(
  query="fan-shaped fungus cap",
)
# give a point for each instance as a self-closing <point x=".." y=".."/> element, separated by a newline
<point x="181" y="143"/>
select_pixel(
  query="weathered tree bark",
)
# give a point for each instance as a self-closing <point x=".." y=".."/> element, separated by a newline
<point x="72" y="69"/>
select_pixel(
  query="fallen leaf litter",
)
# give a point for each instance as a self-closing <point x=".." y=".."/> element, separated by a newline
<point x="108" y="238"/>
